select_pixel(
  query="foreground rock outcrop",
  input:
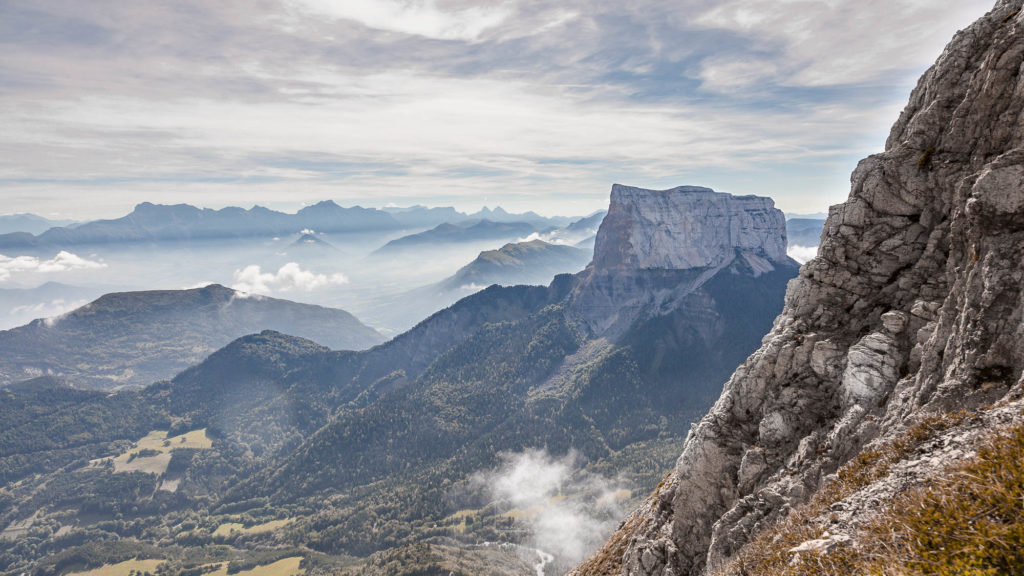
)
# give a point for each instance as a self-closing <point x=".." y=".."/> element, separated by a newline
<point x="913" y="306"/>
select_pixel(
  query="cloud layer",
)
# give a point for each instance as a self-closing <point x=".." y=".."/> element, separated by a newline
<point x="64" y="261"/>
<point x="518" y="102"/>
<point x="252" y="280"/>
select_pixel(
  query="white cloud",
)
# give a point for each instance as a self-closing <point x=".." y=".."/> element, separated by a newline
<point x="63" y="262"/>
<point x="306" y="231"/>
<point x="731" y="74"/>
<point x="417" y="17"/>
<point x="837" y="42"/>
<point x="802" y="254"/>
<point x="291" y="276"/>
<point x="568" y="511"/>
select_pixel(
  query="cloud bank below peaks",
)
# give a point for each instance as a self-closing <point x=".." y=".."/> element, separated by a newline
<point x="290" y="277"/>
<point x="63" y="262"/>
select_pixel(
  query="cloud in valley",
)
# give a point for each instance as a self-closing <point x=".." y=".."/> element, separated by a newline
<point x="291" y="276"/>
<point x="64" y="261"/>
<point x="802" y="253"/>
<point x="568" y="511"/>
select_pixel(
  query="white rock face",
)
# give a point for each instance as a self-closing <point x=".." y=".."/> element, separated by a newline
<point x="656" y="249"/>
<point x="688" y="227"/>
<point x="914" y="305"/>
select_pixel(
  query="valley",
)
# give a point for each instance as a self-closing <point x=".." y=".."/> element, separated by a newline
<point x="275" y="445"/>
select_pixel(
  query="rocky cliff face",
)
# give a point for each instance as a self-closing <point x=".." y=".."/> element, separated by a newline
<point x="687" y="227"/>
<point x="913" y="306"/>
<point x="658" y="247"/>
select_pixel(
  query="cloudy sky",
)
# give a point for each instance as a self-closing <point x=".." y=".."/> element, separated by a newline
<point x="523" y="103"/>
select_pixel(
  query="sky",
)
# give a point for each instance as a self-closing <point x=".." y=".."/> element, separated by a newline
<point x="525" y="104"/>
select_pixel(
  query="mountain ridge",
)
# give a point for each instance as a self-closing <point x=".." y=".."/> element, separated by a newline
<point x="150" y="222"/>
<point x="136" y="338"/>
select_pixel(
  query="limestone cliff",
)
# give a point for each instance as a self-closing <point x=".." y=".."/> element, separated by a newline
<point x="913" y="306"/>
<point x="687" y="227"/>
<point x="656" y="248"/>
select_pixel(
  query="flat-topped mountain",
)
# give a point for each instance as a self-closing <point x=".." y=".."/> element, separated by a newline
<point x="656" y="249"/>
<point x="687" y="227"/>
<point x="136" y="338"/>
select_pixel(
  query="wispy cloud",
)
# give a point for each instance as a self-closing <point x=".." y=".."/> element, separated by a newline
<point x="418" y="17"/>
<point x="528" y="104"/>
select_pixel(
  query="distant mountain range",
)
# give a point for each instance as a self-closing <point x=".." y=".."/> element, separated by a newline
<point x="29" y="223"/>
<point x="448" y="233"/>
<point x="421" y="216"/>
<point x="804" y="231"/>
<point x="524" y="263"/>
<point x="181" y="222"/>
<point x="534" y="262"/>
<point x="136" y="338"/>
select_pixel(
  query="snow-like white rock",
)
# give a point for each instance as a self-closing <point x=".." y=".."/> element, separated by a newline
<point x="688" y="227"/>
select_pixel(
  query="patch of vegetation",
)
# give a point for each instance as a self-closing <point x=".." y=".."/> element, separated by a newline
<point x="152" y="454"/>
<point x="969" y="520"/>
<point x="769" y="552"/>
<point x="233" y="528"/>
<point x="926" y="159"/>
<point x="126" y="568"/>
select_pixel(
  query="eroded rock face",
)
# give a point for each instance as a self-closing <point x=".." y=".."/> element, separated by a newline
<point x="657" y="247"/>
<point x="914" y="305"/>
<point x="687" y="227"/>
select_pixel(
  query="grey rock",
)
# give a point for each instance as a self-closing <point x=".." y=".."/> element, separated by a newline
<point x="688" y="227"/>
<point x="657" y="248"/>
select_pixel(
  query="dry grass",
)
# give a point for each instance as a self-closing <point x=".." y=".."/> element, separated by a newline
<point x="969" y="521"/>
<point x="122" y="568"/>
<point x="235" y="528"/>
<point x="157" y="441"/>
<point x="283" y="567"/>
<point x="768" y="552"/>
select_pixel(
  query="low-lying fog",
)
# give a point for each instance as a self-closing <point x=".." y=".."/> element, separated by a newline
<point x="338" y="270"/>
<point x="390" y="291"/>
